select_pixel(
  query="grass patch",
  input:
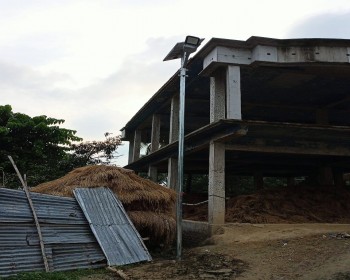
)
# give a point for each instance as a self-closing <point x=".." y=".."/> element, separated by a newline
<point x="58" y="275"/>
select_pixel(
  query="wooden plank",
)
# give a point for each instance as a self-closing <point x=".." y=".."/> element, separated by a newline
<point x="42" y="247"/>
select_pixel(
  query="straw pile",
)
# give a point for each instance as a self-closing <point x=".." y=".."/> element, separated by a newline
<point x="287" y="205"/>
<point x="149" y="205"/>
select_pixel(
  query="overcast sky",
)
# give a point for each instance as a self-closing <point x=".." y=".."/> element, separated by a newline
<point x="95" y="63"/>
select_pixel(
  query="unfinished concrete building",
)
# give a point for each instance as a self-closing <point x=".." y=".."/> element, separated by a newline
<point x="261" y="107"/>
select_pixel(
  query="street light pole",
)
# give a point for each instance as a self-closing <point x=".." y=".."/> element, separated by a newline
<point x="181" y="157"/>
<point x="182" y="50"/>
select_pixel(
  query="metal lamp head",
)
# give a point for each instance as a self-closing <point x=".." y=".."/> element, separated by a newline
<point x="189" y="46"/>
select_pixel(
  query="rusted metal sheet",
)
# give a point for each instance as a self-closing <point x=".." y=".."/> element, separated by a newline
<point x="69" y="242"/>
<point x="117" y="236"/>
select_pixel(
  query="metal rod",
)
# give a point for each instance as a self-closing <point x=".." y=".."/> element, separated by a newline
<point x="181" y="157"/>
<point x="47" y="269"/>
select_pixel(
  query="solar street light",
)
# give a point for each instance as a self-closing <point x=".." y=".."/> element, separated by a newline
<point x="181" y="50"/>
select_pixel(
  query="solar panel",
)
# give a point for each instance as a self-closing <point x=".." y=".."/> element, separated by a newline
<point x="176" y="52"/>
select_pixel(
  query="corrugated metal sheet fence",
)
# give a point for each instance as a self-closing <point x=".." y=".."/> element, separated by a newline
<point x="112" y="227"/>
<point x="69" y="242"/>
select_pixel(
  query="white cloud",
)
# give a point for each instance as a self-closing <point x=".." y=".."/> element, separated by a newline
<point x="329" y="25"/>
<point x="95" y="63"/>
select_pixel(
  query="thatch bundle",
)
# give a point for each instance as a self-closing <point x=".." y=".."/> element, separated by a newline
<point x="149" y="205"/>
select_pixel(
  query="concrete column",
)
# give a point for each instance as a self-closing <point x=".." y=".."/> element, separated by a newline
<point x="153" y="173"/>
<point x="173" y="136"/>
<point x="339" y="181"/>
<point x="322" y="117"/>
<point x="233" y="93"/>
<point x="174" y="119"/>
<point x="137" y="145"/>
<point x="131" y="151"/>
<point x="216" y="192"/>
<point x="172" y="173"/>
<point x="325" y="176"/>
<point x="155" y="135"/>
<point x="258" y="181"/>
<point x="217" y="96"/>
<point x="290" y="181"/>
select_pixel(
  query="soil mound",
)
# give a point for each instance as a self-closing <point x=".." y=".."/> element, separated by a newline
<point x="290" y="205"/>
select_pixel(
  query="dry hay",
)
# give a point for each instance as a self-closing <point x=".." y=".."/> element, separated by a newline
<point x="149" y="205"/>
<point x="294" y="205"/>
<point x="160" y="228"/>
<point x="134" y="192"/>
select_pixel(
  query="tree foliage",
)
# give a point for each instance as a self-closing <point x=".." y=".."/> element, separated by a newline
<point x="43" y="150"/>
<point x="96" y="152"/>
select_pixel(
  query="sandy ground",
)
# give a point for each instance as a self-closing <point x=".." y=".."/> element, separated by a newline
<point x="246" y="251"/>
<point x="299" y="251"/>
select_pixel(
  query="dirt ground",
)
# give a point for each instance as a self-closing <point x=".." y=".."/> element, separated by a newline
<point x="247" y="251"/>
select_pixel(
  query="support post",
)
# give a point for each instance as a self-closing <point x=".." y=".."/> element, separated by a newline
<point x="36" y="220"/>
<point x="152" y="170"/>
<point x="217" y="96"/>
<point x="233" y="93"/>
<point x="339" y="181"/>
<point x="180" y="163"/>
<point x="216" y="192"/>
<point x="173" y="136"/>
<point x="258" y="180"/>
<point x="131" y="151"/>
<point x="137" y="145"/>
<point x="325" y="176"/>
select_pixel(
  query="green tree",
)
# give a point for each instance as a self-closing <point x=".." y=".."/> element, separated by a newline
<point x="45" y="151"/>
<point x="96" y="152"/>
<point x="38" y="145"/>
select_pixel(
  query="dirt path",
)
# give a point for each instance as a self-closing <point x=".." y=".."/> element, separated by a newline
<point x="306" y="251"/>
<point x="253" y="252"/>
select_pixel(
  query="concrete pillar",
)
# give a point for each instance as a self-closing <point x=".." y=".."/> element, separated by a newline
<point x="339" y="181"/>
<point x="131" y="151"/>
<point x="137" y="145"/>
<point x="172" y="173"/>
<point x="322" y="117"/>
<point x="233" y="93"/>
<point x="216" y="192"/>
<point x="155" y="135"/>
<point x="258" y="181"/>
<point x="217" y="96"/>
<point x="290" y="181"/>
<point x="153" y="173"/>
<point x="173" y="136"/>
<point x="174" y="119"/>
<point x="325" y="176"/>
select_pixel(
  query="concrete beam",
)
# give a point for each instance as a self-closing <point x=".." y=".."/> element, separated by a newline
<point x="311" y="148"/>
<point x="216" y="190"/>
<point x="276" y="54"/>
